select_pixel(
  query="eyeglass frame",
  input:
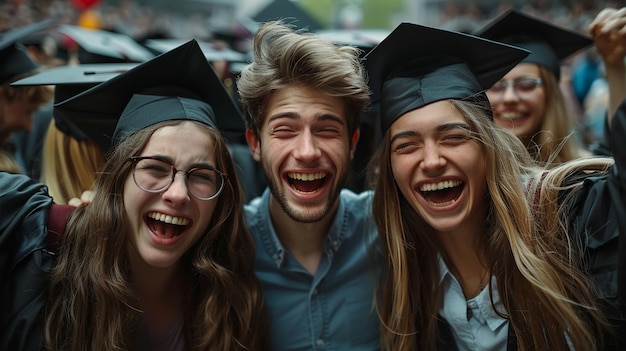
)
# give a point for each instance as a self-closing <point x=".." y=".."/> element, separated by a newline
<point x="514" y="83"/>
<point x="136" y="159"/>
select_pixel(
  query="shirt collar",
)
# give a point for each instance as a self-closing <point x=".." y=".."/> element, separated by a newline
<point x="488" y="314"/>
<point x="339" y="226"/>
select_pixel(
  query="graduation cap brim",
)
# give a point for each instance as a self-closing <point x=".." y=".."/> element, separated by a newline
<point x="487" y="59"/>
<point x="14" y="61"/>
<point x="96" y="111"/>
<point x="211" y="52"/>
<point x="536" y="35"/>
<point x="72" y="80"/>
<point x="364" y="39"/>
<point x="103" y="46"/>
<point x="83" y="74"/>
<point x="429" y="53"/>
<point x="13" y="36"/>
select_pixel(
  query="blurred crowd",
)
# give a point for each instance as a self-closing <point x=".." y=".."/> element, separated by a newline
<point x="582" y="78"/>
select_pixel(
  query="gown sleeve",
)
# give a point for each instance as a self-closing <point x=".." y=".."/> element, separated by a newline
<point x="25" y="262"/>
<point x="596" y="219"/>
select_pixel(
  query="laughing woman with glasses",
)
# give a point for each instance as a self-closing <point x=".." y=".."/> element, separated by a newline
<point x="160" y="259"/>
<point x="529" y="100"/>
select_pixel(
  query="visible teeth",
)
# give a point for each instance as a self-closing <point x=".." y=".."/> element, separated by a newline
<point x="306" y="176"/>
<point x="440" y="186"/>
<point x="440" y="204"/>
<point x="168" y="219"/>
<point x="510" y="115"/>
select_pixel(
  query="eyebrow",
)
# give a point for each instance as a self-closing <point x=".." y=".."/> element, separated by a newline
<point x="439" y="129"/>
<point x="170" y="160"/>
<point x="319" y="117"/>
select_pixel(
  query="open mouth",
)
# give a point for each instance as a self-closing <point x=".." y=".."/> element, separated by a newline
<point x="306" y="183"/>
<point x="511" y="116"/>
<point x="443" y="193"/>
<point x="166" y="226"/>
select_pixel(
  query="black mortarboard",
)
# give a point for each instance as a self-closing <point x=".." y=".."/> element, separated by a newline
<point x="547" y="43"/>
<point x="72" y="80"/>
<point x="179" y="84"/>
<point x="14" y="60"/>
<point x="101" y="46"/>
<point x="417" y="65"/>
<point x="364" y="39"/>
<point x="212" y="52"/>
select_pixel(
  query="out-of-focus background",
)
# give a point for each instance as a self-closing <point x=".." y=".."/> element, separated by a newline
<point x="225" y="28"/>
<point x="205" y="18"/>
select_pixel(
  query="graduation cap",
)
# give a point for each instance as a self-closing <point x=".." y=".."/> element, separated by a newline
<point x="363" y="39"/>
<point x="179" y="84"/>
<point x="72" y="80"/>
<point x="417" y="65"/>
<point x="288" y="10"/>
<point x="101" y="46"/>
<point x="212" y="52"/>
<point x="14" y="60"/>
<point x="547" y="43"/>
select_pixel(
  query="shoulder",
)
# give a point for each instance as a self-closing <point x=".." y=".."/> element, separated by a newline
<point x="357" y="200"/>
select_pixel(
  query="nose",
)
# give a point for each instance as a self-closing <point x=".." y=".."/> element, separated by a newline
<point x="307" y="147"/>
<point x="432" y="157"/>
<point x="177" y="193"/>
<point x="509" y="94"/>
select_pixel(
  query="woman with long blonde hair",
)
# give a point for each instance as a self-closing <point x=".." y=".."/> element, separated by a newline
<point x="479" y="254"/>
<point x="69" y="166"/>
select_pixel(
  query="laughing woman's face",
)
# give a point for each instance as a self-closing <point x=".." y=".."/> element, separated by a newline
<point x="439" y="166"/>
<point x="164" y="225"/>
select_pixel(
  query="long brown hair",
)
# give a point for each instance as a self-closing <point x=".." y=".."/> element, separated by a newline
<point x="91" y="300"/>
<point x="547" y="298"/>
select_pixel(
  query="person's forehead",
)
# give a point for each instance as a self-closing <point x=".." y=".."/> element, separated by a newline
<point x="305" y="102"/>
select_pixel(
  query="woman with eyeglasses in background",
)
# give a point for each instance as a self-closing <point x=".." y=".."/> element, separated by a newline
<point x="161" y="258"/>
<point x="529" y="100"/>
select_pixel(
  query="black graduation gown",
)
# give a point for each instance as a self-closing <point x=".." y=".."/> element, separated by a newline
<point x="25" y="261"/>
<point x="597" y="216"/>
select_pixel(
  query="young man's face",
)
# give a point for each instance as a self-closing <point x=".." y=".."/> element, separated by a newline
<point x="15" y="115"/>
<point x="305" y="149"/>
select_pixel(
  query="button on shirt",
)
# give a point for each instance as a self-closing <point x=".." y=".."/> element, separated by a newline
<point x="485" y="329"/>
<point x="332" y="310"/>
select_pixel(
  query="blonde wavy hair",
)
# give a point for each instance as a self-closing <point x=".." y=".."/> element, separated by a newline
<point x="549" y="302"/>
<point x="91" y="301"/>
<point x="8" y="163"/>
<point x="556" y="140"/>
<point x="69" y="166"/>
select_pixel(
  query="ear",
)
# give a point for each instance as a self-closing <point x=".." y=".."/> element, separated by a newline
<point x="353" y="141"/>
<point x="254" y="144"/>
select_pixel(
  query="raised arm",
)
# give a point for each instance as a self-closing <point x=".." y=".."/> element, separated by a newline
<point x="608" y="31"/>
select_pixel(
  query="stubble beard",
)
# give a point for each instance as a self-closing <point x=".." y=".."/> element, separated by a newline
<point x="306" y="216"/>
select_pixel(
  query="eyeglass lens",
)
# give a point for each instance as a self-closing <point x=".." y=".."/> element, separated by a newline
<point x="521" y="86"/>
<point x="155" y="175"/>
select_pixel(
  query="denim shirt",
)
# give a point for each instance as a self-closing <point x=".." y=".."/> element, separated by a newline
<point x="334" y="309"/>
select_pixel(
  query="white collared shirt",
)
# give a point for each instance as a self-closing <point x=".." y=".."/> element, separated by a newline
<point x="485" y="330"/>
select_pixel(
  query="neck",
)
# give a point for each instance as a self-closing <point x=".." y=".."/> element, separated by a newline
<point x="465" y="260"/>
<point x="304" y="241"/>
<point x="155" y="285"/>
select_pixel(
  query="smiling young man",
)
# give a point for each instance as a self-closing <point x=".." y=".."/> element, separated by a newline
<point x="316" y="253"/>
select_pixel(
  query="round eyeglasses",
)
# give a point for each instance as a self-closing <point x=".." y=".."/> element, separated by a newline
<point x="523" y="86"/>
<point x="155" y="175"/>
